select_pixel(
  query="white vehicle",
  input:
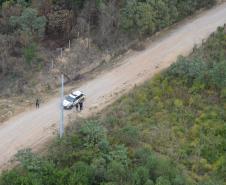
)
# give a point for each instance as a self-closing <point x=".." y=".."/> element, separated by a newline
<point x="72" y="99"/>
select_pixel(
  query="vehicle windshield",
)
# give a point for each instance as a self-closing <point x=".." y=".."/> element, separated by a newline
<point x="69" y="98"/>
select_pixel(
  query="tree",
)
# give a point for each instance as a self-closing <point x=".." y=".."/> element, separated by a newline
<point x="162" y="17"/>
<point x="138" y="17"/>
<point x="108" y="23"/>
<point x="29" y="24"/>
<point x="5" y="44"/>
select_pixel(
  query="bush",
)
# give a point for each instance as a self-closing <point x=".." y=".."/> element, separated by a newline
<point x="218" y="75"/>
<point x="82" y="174"/>
<point x="187" y="70"/>
<point x="140" y="176"/>
<point x="116" y="172"/>
<point x="129" y="135"/>
<point x="93" y="133"/>
<point x="162" y="181"/>
<point x="30" y="53"/>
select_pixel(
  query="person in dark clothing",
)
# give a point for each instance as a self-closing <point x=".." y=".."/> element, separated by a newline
<point x="76" y="106"/>
<point x="37" y="103"/>
<point x="81" y="104"/>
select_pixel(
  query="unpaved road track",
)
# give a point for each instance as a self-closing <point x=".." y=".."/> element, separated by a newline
<point x="35" y="127"/>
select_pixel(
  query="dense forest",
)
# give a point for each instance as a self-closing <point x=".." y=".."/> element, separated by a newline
<point x="169" y="131"/>
<point x="31" y="30"/>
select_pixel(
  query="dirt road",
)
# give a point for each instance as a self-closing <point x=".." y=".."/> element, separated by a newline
<point x="33" y="128"/>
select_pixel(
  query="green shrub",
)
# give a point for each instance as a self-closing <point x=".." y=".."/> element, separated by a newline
<point x="218" y="75"/>
<point x="82" y="174"/>
<point x="116" y="172"/>
<point x="93" y="133"/>
<point x="187" y="70"/>
<point x="30" y="53"/>
<point x="140" y="176"/>
<point x="129" y="135"/>
<point x="162" y="181"/>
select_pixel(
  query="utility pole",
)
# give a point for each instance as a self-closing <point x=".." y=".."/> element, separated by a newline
<point x="69" y="44"/>
<point x="61" y="126"/>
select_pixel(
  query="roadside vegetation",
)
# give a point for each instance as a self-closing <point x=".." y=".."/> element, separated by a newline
<point x="169" y="131"/>
<point x="32" y="31"/>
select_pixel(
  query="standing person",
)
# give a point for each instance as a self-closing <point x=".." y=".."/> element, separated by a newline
<point x="76" y="106"/>
<point x="37" y="103"/>
<point x="81" y="104"/>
